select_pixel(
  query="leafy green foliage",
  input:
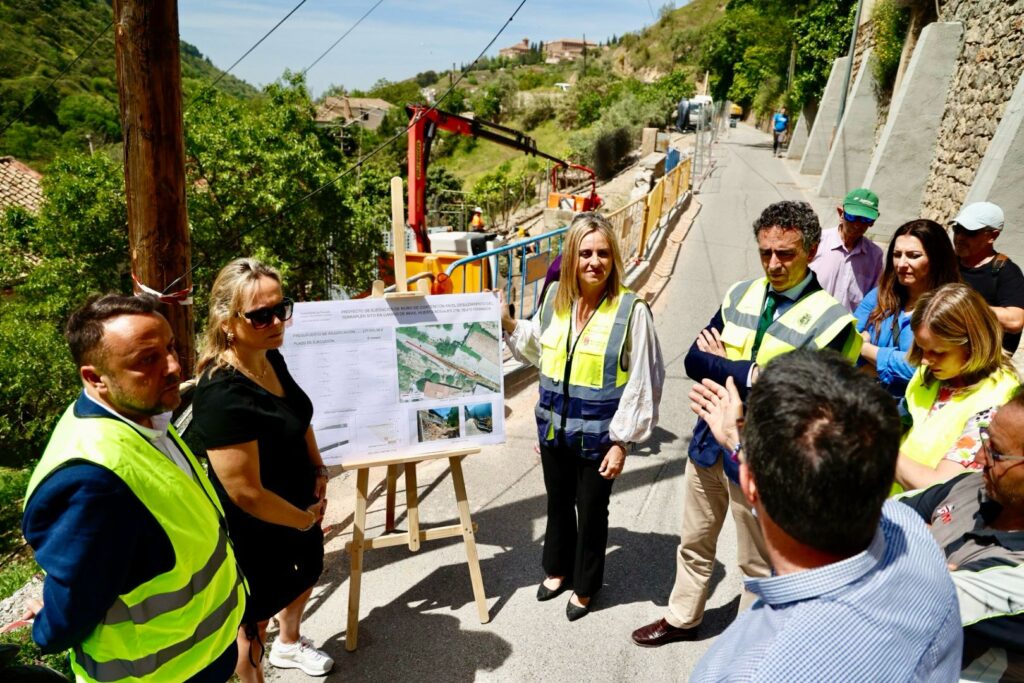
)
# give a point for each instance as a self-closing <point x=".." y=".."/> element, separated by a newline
<point x="748" y="49"/>
<point x="890" y="26"/>
<point x="29" y="652"/>
<point x="501" y="192"/>
<point x="39" y="38"/>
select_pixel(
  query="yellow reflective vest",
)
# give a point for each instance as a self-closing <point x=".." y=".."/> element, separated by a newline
<point x="177" y="623"/>
<point x="813" y="321"/>
<point x="931" y="436"/>
<point x="582" y="380"/>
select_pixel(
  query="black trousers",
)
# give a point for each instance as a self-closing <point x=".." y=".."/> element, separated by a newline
<point x="576" y="535"/>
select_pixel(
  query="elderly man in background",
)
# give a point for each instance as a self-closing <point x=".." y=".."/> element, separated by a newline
<point x="860" y="591"/>
<point x="998" y="279"/>
<point x="978" y="520"/>
<point x="848" y="264"/>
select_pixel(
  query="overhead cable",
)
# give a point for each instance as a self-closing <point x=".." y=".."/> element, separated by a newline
<point x="363" y="159"/>
<point x="343" y="35"/>
<point x="245" y="54"/>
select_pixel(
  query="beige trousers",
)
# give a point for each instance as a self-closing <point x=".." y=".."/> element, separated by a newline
<point x="708" y="493"/>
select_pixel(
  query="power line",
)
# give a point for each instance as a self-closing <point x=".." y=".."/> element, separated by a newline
<point x="245" y="54"/>
<point x="376" y="150"/>
<point x="343" y="35"/>
<point x="57" y="77"/>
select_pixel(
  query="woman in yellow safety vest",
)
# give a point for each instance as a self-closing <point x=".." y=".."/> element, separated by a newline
<point x="963" y="375"/>
<point x="601" y="375"/>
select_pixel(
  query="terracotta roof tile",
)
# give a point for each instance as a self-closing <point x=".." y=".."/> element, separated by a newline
<point x="19" y="185"/>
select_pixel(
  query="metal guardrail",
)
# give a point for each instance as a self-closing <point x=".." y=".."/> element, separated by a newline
<point x="520" y="268"/>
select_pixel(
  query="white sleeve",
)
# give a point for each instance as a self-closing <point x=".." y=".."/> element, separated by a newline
<point x="637" y="415"/>
<point x="524" y="342"/>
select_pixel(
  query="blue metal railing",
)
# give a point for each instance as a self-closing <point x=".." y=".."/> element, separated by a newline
<point x="510" y="269"/>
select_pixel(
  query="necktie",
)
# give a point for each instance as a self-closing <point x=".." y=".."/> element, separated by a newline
<point x="767" y="315"/>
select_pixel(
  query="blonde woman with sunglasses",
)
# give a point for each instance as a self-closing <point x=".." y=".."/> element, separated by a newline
<point x="252" y="421"/>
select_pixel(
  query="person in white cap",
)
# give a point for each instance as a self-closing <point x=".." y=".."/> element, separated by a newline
<point x="998" y="279"/>
<point x="476" y="224"/>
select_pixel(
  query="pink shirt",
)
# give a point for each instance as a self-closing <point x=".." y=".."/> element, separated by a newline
<point x="847" y="275"/>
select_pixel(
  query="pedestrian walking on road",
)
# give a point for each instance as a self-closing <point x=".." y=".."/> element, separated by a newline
<point x="780" y="129"/>
<point x="601" y="375"/>
<point x="759" y="319"/>
<point x="252" y="421"/>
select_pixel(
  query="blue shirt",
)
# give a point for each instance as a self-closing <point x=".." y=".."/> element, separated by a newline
<point x="894" y="371"/>
<point x="889" y="613"/>
<point x="780" y="121"/>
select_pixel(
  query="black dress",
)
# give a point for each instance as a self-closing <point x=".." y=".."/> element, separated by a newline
<point x="279" y="562"/>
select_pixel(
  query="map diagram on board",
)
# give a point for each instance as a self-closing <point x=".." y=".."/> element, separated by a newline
<point x="448" y="360"/>
<point x="394" y="377"/>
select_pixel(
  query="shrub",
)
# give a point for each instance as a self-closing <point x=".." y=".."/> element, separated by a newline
<point x="537" y="114"/>
<point x="890" y="24"/>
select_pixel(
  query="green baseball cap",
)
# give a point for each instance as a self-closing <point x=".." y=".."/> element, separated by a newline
<point x="861" y="202"/>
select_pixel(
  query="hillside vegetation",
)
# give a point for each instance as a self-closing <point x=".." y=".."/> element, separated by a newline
<point x="38" y="39"/>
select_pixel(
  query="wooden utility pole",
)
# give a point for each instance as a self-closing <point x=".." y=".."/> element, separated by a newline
<point x="149" y="83"/>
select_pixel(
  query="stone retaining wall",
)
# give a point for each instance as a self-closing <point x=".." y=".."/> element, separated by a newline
<point x="990" y="64"/>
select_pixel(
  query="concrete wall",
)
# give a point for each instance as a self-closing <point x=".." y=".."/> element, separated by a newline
<point x="801" y="131"/>
<point x="815" y="152"/>
<point x="850" y="156"/>
<point x="990" y="65"/>
<point x="900" y="163"/>
<point x="1000" y="177"/>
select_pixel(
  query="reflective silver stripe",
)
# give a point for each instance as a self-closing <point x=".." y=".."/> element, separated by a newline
<point x="834" y="314"/>
<point x="118" y="669"/>
<point x="617" y="336"/>
<point x="576" y="425"/>
<point x="550" y="384"/>
<point x="157" y="605"/>
<point x="731" y="312"/>
<point x="591" y="394"/>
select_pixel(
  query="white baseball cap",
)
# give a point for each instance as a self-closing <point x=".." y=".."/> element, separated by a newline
<point x="979" y="216"/>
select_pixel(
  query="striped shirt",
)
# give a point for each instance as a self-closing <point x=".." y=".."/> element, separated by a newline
<point x="888" y="613"/>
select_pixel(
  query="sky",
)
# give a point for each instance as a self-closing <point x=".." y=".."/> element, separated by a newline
<point x="399" y="39"/>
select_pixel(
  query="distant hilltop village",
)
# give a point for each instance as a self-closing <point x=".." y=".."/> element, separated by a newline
<point x="561" y="50"/>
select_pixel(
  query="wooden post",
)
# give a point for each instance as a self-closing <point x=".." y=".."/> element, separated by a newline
<point x="149" y="83"/>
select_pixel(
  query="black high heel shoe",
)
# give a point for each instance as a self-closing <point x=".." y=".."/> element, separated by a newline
<point x="574" y="612"/>
<point x="544" y="593"/>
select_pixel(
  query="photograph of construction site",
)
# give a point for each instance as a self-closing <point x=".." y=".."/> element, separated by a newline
<point x="445" y="361"/>
<point x="437" y="424"/>
<point x="478" y="419"/>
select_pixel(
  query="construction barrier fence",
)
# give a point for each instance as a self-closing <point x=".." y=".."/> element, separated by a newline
<point x="520" y="268"/>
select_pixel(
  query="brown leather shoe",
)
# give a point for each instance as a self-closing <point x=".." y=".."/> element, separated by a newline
<point x="661" y="632"/>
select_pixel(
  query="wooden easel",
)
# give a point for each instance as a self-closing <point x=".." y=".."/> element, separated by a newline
<point x="414" y="535"/>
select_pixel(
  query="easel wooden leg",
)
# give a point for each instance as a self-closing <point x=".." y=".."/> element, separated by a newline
<point x="356" y="559"/>
<point x="469" y="538"/>
<point x="412" y="506"/>
<point x="389" y="508"/>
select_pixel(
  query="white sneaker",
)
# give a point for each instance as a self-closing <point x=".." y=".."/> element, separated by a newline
<point x="300" y="655"/>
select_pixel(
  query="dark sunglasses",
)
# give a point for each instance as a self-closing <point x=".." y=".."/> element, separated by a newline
<point x="850" y="218"/>
<point x="264" y="317"/>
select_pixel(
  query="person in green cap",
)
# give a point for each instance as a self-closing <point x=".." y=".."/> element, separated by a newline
<point x="848" y="264"/>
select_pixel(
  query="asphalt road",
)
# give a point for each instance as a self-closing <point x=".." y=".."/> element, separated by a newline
<point x="419" y="621"/>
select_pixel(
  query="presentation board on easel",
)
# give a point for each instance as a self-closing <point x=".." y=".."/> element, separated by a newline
<point x="391" y="377"/>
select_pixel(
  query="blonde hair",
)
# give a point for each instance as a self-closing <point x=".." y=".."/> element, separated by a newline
<point x="568" y="283"/>
<point x="957" y="315"/>
<point x="233" y="286"/>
